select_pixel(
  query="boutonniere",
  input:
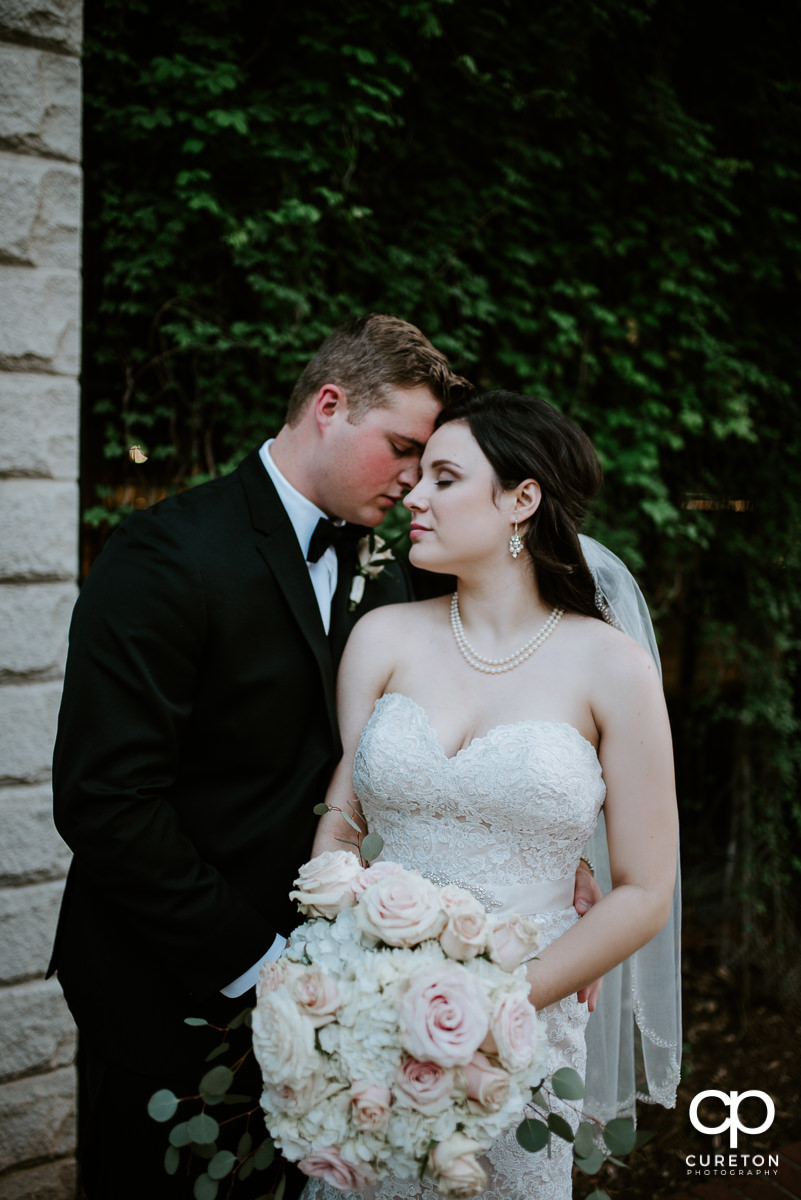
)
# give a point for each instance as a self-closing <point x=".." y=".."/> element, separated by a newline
<point x="372" y="555"/>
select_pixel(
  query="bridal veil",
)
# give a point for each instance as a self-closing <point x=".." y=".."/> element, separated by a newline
<point x="634" y="1035"/>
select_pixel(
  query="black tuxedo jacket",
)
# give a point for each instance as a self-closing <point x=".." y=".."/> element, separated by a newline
<point x="197" y="731"/>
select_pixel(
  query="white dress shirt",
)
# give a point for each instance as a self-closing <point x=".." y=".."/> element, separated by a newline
<point x="323" y="575"/>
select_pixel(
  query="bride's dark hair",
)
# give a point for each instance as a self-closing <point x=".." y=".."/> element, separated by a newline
<point x="524" y="437"/>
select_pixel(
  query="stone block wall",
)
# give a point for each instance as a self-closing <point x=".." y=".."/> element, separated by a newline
<point x="40" y="298"/>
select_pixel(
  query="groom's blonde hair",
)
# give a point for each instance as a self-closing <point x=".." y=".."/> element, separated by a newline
<point x="369" y="355"/>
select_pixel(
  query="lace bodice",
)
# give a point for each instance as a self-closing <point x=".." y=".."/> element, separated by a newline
<point x="507" y="816"/>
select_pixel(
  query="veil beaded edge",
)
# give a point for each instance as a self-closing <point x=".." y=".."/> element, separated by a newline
<point x="634" y="1035"/>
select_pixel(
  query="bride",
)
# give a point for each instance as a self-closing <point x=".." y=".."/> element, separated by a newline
<point x="484" y="732"/>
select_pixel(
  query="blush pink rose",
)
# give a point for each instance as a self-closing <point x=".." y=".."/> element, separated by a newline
<point x="465" y="934"/>
<point x="442" y="1015"/>
<point x="370" y="1103"/>
<point x="402" y="909"/>
<point x="513" y="941"/>
<point x="455" y="1168"/>
<point x="317" y="995"/>
<point x="329" y="1165"/>
<point x="424" y="1086"/>
<point x="486" y="1084"/>
<point x="325" y="885"/>
<point x="514" y="1032"/>
<point x="372" y="874"/>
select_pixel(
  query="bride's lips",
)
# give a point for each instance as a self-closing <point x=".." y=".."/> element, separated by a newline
<point x="415" y="530"/>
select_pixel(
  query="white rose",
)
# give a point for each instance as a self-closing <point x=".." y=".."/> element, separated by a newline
<point x="283" y="1039"/>
<point x="455" y="1169"/>
<point x="513" y="940"/>
<point x="326" y="884"/>
<point x="465" y="934"/>
<point x="402" y="909"/>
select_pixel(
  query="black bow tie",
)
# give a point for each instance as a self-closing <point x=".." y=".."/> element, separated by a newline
<point x="327" y="533"/>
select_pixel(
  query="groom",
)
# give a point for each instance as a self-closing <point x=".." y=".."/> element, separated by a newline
<point x="198" y="730"/>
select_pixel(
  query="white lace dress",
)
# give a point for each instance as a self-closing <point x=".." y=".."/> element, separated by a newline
<point x="507" y="818"/>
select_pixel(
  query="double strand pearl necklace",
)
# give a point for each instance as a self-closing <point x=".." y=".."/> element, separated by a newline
<point x="494" y="666"/>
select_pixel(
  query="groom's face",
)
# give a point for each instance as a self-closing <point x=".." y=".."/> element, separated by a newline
<point x="372" y="463"/>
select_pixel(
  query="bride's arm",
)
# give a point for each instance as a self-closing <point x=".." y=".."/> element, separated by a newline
<point x="367" y="664"/>
<point x="642" y="830"/>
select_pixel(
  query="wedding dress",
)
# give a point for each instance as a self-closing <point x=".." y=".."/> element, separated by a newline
<point x="506" y="817"/>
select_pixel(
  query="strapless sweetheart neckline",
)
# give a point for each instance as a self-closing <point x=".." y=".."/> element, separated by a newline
<point x="481" y="737"/>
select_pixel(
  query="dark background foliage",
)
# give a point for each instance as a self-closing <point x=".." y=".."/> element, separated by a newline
<point x="597" y="201"/>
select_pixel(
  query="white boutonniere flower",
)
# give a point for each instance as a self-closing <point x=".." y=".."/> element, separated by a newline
<point x="373" y="554"/>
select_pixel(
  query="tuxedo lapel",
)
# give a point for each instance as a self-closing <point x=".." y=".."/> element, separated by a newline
<point x="278" y="546"/>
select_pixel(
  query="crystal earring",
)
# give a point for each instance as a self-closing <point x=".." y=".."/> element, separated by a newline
<point x="515" y="542"/>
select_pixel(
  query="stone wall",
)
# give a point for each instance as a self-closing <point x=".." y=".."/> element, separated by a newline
<point x="40" y="296"/>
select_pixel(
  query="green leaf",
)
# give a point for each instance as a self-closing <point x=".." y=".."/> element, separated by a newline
<point x="642" y="1138"/>
<point x="222" y="1164"/>
<point x="620" y="1135"/>
<point x="584" y="1142"/>
<point x="560" y="1127"/>
<point x="532" y="1135"/>
<point x="206" y="1152"/>
<point x="206" y="1188"/>
<point x="264" y="1155"/>
<point x="217" y="1081"/>
<point x="238" y="1098"/>
<point x="371" y="847"/>
<point x="320" y="810"/>
<point x="598" y="1195"/>
<point x="245" y="1144"/>
<point x="179" y="1135"/>
<point x="539" y="1097"/>
<point x="590" y="1163"/>
<point x="567" y="1084"/>
<point x="241" y="1018"/>
<point x="195" y="1021"/>
<point x="162" y="1105"/>
<point x="246" y="1170"/>
<point x="172" y="1160"/>
<point x="217" y="1051"/>
<point x="203" y="1129"/>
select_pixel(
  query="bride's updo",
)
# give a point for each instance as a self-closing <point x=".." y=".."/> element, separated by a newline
<point x="524" y="437"/>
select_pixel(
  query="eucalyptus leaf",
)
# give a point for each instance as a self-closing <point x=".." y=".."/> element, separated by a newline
<point x="240" y="1018"/>
<point x="162" y="1105"/>
<point x="172" y="1160"/>
<point x="620" y="1135"/>
<point x="598" y="1195"/>
<point x="278" y="1194"/>
<point x="351" y="822"/>
<point x="245" y="1144"/>
<point x="560" y="1127"/>
<point x="539" y="1097"/>
<point x="585" y="1139"/>
<point x="222" y="1164"/>
<point x="372" y="845"/>
<point x="179" y="1135"/>
<point x="246" y="1170"/>
<point x="206" y="1188"/>
<point x="203" y="1128"/>
<point x="642" y="1138"/>
<point x="218" y="1051"/>
<point x="590" y="1163"/>
<point x="532" y="1135"/>
<point x="238" y="1098"/>
<point x="217" y="1081"/>
<point x="264" y="1156"/>
<point x="567" y="1084"/>
<point x="320" y="810"/>
<point x="205" y="1151"/>
<point x="195" y="1021"/>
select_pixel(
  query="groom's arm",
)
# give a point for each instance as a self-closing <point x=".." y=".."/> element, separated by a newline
<point x="137" y="646"/>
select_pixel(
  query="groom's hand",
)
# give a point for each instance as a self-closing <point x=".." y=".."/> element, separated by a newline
<point x="585" y="894"/>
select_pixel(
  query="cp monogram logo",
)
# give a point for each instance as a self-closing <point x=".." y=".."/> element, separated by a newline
<point x="732" y="1101"/>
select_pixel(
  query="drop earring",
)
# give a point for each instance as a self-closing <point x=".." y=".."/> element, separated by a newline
<point x="515" y="542"/>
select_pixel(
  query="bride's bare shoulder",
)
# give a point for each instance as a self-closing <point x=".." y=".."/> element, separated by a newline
<point x="614" y="662"/>
<point x="394" y="624"/>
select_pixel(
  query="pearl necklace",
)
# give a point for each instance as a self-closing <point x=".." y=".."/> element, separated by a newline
<point x="494" y="666"/>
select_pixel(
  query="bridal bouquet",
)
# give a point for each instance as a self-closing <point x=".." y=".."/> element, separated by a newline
<point x="395" y="1035"/>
